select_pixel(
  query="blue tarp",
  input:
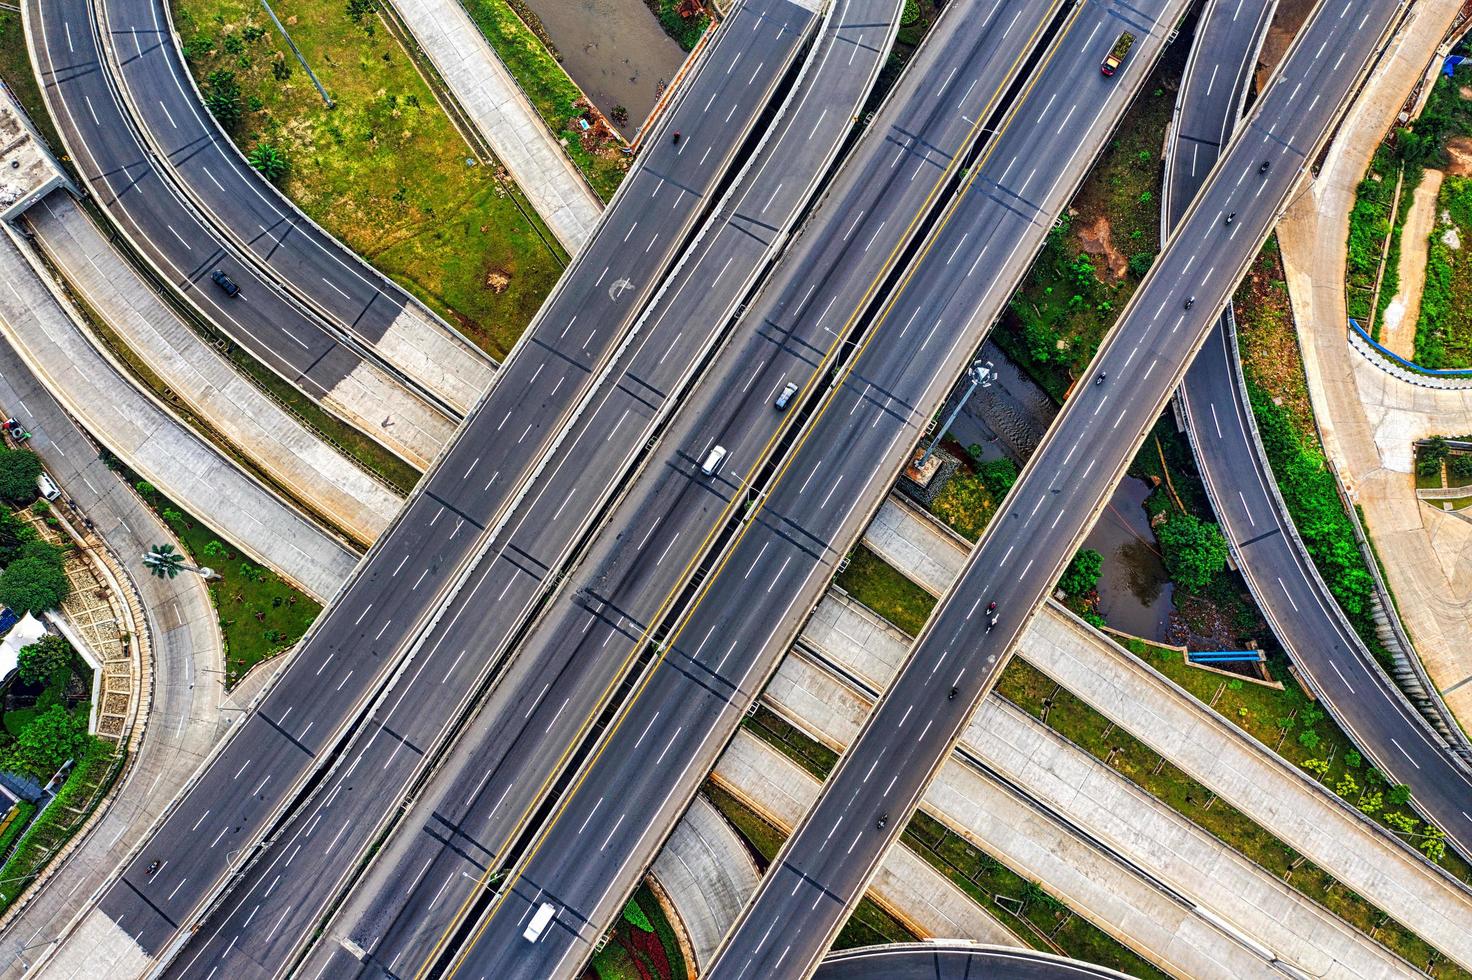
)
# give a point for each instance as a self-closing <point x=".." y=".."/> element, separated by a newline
<point x="1449" y="66"/>
<point x="7" y="619"/>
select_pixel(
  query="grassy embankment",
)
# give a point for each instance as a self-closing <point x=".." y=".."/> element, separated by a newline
<point x="553" y="94"/>
<point x="1066" y="714"/>
<point x="384" y="170"/>
<point x="1273" y="368"/>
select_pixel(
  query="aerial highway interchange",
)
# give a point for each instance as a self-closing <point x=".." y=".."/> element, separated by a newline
<point x="514" y="699"/>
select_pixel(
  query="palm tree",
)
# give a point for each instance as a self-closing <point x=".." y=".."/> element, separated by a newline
<point x="163" y="561"/>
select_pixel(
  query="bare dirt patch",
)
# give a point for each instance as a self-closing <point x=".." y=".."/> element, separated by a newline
<point x="1095" y="239"/>
<point x="1459" y="155"/>
<point x="1398" y="326"/>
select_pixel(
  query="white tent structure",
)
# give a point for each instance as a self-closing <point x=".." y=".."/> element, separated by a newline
<point x="23" y="634"/>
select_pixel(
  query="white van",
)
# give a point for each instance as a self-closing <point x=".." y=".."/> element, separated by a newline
<point x="539" y="922"/>
<point x="713" y="460"/>
<point x="48" y="487"/>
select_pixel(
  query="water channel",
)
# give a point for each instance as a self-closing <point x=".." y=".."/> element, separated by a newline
<point x="615" y="50"/>
<point x="1008" y="418"/>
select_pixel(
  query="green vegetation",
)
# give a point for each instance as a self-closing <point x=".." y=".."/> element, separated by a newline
<point x="1309" y="490"/>
<point x="1444" y="328"/>
<point x="686" y="30"/>
<point x="261" y="614"/>
<point x="15" y="71"/>
<point x="969" y="869"/>
<point x="1099" y="251"/>
<point x="42" y="659"/>
<point x="1070" y="717"/>
<point x="884" y="590"/>
<point x="94" y="771"/>
<point x="384" y="169"/>
<point x="1372" y="238"/>
<point x="1082" y="574"/>
<point x="868" y="926"/>
<point x="969" y="498"/>
<point x="1278" y="391"/>
<point x="1195" y="551"/>
<point x="1446" y="115"/>
<point x="19" y="469"/>
<point x="556" y="98"/>
<point x="35" y="580"/>
<point x="1045" y="923"/>
<point x="806" y="751"/>
<point x="1288" y="722"/>
<point x="643" y="945"/>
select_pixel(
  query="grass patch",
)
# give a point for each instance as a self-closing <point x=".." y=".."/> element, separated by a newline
<point x="685" y="30"/>
<point x="554" y="95"/>
<point x="1447" y="115"/>
<point x="966" y="504"/>
<point x="385" y="170"/>
<point x="643" y="945"/>
<point x="91" y="775"/>
<point x="791" y="741"/>
<point x="261" y="614"/>
<point x="1066" y="714"/>
<point x="1444" y="327"/>
<point x="15" y="70"/>
<point x="884" y="590"/>
<point x="1278" y="391"/>
<point x="1299" y="730"/>
<point x="1105" y="241"/>
<point x="868" y="926"/>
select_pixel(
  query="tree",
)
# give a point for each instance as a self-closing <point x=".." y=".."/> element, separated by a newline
<point x="35" y="581"/>
<point x="270" y="161"/>
<point x="47" y="656"/>
<point x="1194" y="550"/>
<point x="1140" y="264"/>
<point x="1428" y="460"/>
<point x="1082" y="573"/>
<point x="1459" y="466"/>
<point x="222" y="97"/>
<point x="1399" y="795"/>
<point x="13" y="535"/>
<point x="999" y="475"/>
<point x="48" y="741"/>
<point x="18" y="471"/>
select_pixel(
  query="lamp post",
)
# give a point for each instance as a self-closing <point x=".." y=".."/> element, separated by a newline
<point x="980" y="374"/>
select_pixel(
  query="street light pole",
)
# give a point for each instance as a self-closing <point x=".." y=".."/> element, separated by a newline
<point x="980" y="374"/>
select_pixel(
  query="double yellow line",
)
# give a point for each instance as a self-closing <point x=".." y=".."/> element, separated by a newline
<point x="749" y="521"/>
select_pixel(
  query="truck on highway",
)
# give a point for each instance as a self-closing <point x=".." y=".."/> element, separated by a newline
<point x="539" y="922"/>
<point x="1118" y="53"/>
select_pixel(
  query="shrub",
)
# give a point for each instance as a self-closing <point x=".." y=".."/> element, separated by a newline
<point x="14" y="533"/>
<point x="1195" y="551"/>
<point x="1082" y="573"/>
<point x="999" y="475"/>
<point x="35" y="581"/>
<point x="222" y="97"/>
<point x="270" y="161"/>
<point x="1140" y="264"/>
<point x="47" y="656"/>
<point x="18" y="471"/>
<point x="48" y="741"/>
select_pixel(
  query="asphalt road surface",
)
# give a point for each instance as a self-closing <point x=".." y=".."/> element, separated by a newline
<point x="128" y="185"/>
<point x="1288" y="588"/>
<point x="417" y="565"/>
<point x="608" y="825"/>
<point x="822" y="870"/>
<point x="241" y="207"/>
<point x="545" y="704"/>
<point x="505" y="589"/>
<point x="952" y="960"/>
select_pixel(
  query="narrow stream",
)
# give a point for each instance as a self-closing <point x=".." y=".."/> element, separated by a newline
<point x="615" y="50"/>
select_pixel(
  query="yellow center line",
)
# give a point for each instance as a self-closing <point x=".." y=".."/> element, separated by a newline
<point x="726" y="511"/>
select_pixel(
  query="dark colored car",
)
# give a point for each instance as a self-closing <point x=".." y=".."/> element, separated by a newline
<point x="225" y="283"/>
